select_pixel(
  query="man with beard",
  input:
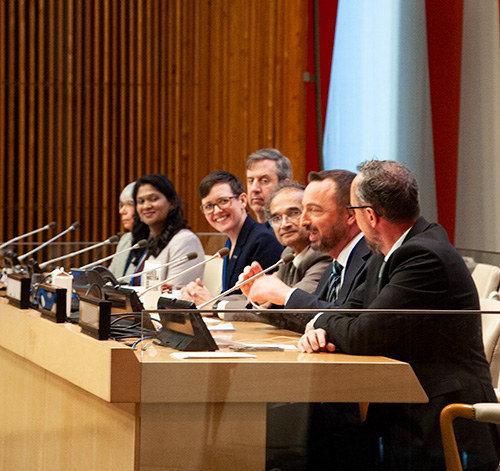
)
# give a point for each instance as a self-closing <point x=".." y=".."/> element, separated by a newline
<point x="415" y="268"/>
<point x="331" y="230"/>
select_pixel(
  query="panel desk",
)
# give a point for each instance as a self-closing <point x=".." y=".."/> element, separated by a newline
<point x="69" y="402"/>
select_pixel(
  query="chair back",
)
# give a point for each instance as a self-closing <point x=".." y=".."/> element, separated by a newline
<point x="486" y="278"/>
<point x="212" y="277"/>
<point x="491" y="336"/>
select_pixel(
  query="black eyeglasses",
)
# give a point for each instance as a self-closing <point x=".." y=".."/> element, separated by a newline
<point x="350" y="209"/>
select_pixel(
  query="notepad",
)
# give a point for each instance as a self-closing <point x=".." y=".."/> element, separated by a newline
<point x="211" y="355"/>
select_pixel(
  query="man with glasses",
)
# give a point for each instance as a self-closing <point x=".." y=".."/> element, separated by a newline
<point x="415" y="268"/>
<point x="331" y="230"/>
<point x="224" y="204"/>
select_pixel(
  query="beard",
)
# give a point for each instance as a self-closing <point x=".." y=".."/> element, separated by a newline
<point x="327" y="242"/>
<point x="373" y="244"/>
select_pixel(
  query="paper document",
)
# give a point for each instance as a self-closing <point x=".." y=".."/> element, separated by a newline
<point x="226" y="327"/>
<point x="201" y="355"/>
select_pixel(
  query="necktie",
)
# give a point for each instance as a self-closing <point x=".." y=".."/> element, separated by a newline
<point x="334" y="282"/>
<point x="380" y="272"/>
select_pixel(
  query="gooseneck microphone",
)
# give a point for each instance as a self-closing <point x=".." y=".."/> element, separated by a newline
<point x="178" y="261"/>
<point x="139" y="245"/>
<point x="73" y="227"/>
<point x="111" y="240"/>
<point x="50" y="225"/>
<point x="284" y="259"/>
<point x="219" y="254"/>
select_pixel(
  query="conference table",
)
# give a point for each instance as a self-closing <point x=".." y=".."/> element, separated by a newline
<point x="70" y="402"/>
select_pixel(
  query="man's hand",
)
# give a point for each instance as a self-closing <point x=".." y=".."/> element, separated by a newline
<point x="315" y="341"/>
<point x="248" y="272"/>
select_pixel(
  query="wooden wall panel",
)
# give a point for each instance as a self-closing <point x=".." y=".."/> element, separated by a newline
<point x="96" y="93"/>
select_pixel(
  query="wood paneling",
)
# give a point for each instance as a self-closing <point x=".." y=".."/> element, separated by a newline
<point x="96" y="93"/>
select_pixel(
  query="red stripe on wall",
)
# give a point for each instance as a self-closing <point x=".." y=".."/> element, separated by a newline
<point x="444" y="43"/>
<point x="327" y="21"/>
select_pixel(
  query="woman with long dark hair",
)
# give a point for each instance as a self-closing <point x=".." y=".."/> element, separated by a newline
<point x="160" y="220"/>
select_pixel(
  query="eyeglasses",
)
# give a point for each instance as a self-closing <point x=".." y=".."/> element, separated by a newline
<point x="292" y="215"/>
<point x="126" y="204"/>
<point x="220" y="203"/>
<point x="350" y="209"/>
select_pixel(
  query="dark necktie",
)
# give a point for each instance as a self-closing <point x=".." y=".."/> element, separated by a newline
<point x="334" y="282"/>
<point x="380" y="272"/>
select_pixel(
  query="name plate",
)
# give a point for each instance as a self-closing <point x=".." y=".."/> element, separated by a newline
<point x="18" y="290"/>
<point x="52" y="302"/>
<point x="95" y="317"/>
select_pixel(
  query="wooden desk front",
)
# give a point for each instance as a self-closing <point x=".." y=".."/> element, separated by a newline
<point x="69" y="402"/>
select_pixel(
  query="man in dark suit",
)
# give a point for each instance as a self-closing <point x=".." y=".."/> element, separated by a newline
<point x="331" y="230"/>
<point x="416" y="268"/>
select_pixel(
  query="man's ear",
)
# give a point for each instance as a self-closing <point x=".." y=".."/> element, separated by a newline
<point x="373" y="218"/>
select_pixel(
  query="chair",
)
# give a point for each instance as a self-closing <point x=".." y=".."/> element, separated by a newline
<point x="212" y="277"/>
<point x="491" y="338"/>
<point x="482" y="412"/>
<point x="487" y="279"/>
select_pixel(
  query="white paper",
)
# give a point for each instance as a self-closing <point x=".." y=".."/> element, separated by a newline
<point x="188" y="355"/>
<point x="227" y="327"/>
<point x="279" y="345"/>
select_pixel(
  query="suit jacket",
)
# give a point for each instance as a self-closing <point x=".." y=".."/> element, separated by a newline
<point x="306" y="276"/>
<point x="445" y="351"/>
<point x="309" y="271"/>
<point x="354" y="275"/>
<point x="255" y="242"/>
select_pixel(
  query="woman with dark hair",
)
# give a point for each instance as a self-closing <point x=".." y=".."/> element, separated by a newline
<point x="160" y="220"/>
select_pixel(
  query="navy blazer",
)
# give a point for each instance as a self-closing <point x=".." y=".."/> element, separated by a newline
<point x="255" y="242"/>
<point x="354" y="275"/>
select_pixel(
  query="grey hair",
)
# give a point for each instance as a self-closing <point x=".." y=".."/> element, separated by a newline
<point x="390" y="188"/>
<point x="283" y="165"/>
<point x="281" y="186"/>
<point x="127" y="193"/>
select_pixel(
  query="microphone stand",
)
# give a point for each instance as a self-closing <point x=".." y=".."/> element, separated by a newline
<point x="287" y="258"/>
<point x="73" y="226"/>
<point x="220" y="254"/>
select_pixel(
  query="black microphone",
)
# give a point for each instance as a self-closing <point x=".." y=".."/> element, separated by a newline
<point x="139" y="245"/>
<point x="178" y="261"/>
<point x="284" y="259"/>
<point x="50" y="225"/>
<point x="219" y="254"/>
<point x="111" y="240"/>
<point x="73" y="227"/>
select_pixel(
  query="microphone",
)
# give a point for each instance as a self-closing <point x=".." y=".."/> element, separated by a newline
<point x="185" y="258"/>
<point x="73" y="227"/>
<point x="219" y="254"/>
<point x="50" y="225"/>
<point x="112" y="240"/>
<point x="139" y="245"/>
<point x="284" y="259"/>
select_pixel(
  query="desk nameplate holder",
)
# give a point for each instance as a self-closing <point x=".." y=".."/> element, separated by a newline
<point x="52" y="302"/>
<point x="18" y="290"/>
<point x="95" y="317"/>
